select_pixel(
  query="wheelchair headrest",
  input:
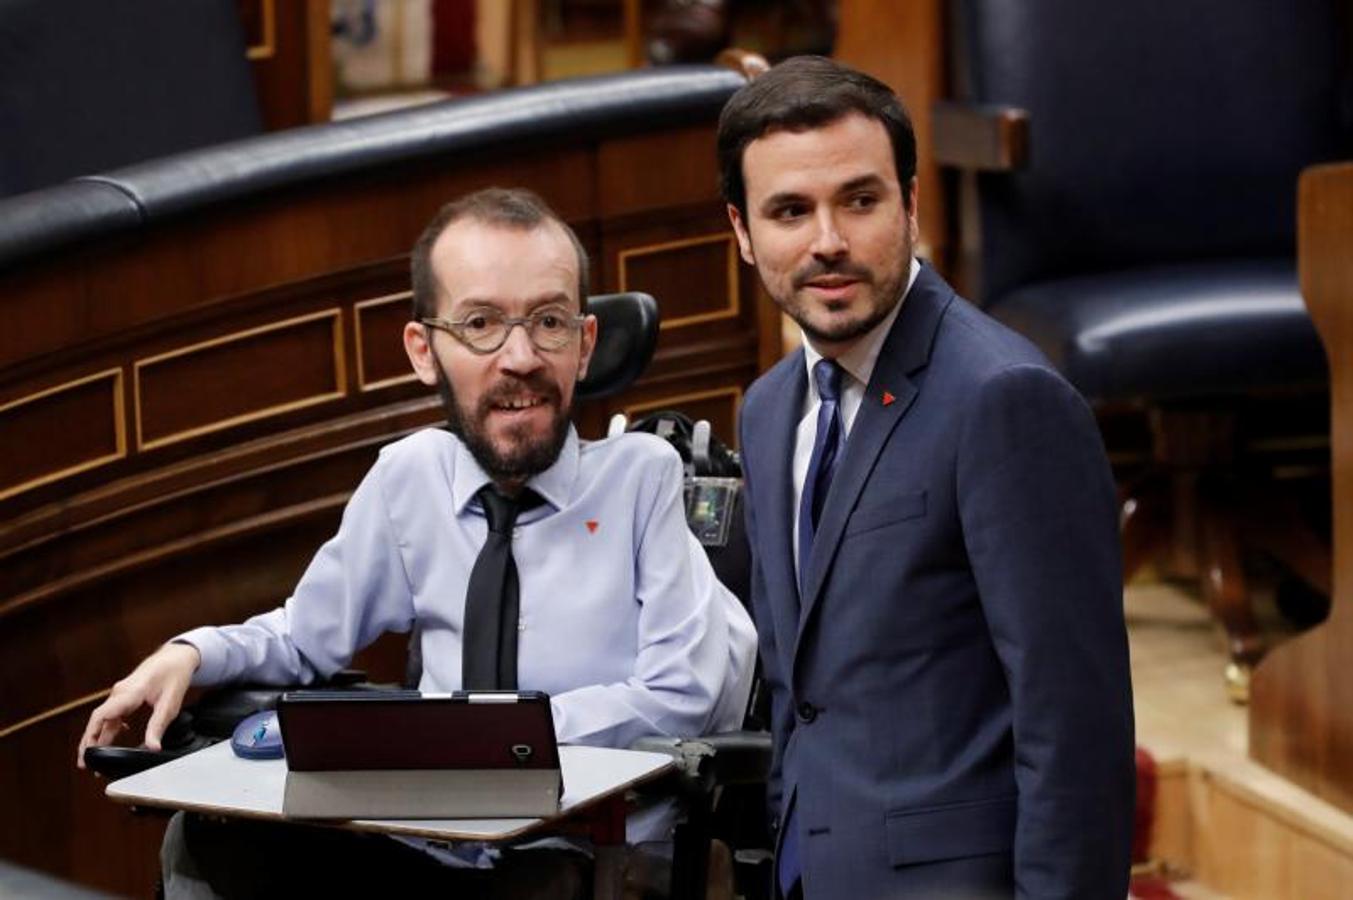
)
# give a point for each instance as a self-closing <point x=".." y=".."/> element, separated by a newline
<point x="627" y="333"/>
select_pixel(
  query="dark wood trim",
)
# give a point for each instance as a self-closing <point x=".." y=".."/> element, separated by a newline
<point x="904" y="45"/>
<point x="748" y="63"/>
<point x="293" y="71"/>
<point x="980" y="138"/>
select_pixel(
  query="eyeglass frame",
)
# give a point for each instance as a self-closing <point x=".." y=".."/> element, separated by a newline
<point x="527" y="322"/>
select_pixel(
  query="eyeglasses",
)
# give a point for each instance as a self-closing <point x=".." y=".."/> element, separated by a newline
<point x="486" y="330"/>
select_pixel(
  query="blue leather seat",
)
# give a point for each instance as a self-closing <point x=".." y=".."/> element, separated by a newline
<point x="1142" y="232"/>
<point x="1173" y="330"/>
<point x="88" y="85"/>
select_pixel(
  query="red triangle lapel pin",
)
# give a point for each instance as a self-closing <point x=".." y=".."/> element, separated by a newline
<point x="888" y="398"/>
<point x="591" y="526"/>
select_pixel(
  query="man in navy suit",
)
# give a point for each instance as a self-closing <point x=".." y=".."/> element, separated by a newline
<point x="936" y="572"/>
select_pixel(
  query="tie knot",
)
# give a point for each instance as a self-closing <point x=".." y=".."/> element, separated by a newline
<point x="827" y="377"/>
<point x="502" y="510"/>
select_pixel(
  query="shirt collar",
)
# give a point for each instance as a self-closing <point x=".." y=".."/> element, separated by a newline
<point x="860" y="359"/>
<point x="555" y="484"/>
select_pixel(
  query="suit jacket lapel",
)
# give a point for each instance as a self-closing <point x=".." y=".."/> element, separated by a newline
<point x="887" y="398"/>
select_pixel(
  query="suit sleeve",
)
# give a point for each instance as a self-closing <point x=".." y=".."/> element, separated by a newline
<point x="776" y="681"/>
<point x="1039" y="517"/>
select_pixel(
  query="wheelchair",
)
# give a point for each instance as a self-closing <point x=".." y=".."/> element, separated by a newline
<point x="720" y="780"/>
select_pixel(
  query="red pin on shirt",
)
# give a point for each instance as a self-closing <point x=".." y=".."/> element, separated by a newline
<point x="591" y="526"/>
<point x="888" y="399"/>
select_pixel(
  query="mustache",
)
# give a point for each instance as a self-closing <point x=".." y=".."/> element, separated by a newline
<point x="819" y="267"/>
<point x="513" y="386"/>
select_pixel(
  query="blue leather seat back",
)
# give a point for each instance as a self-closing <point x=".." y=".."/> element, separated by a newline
<point x="555" y="114"/>
<point x="90" y="85"/>
<point x="1160" y="130"/>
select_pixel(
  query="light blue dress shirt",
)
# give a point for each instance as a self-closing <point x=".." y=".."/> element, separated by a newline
<point x="622" y="620"/>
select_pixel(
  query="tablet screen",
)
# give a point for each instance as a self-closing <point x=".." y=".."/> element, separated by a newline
<point x="356" y="730"/>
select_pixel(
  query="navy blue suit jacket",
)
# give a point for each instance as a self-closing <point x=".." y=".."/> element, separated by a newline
<point x="951" y="699"/>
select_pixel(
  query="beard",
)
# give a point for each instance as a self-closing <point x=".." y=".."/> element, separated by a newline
<point x="524" y="453"/>
<point x="886" y="291"/>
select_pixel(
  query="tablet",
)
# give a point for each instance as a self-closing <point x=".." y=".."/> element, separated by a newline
<point x="402" y="754"/>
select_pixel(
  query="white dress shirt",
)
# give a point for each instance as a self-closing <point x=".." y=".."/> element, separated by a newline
<point x="622" y="621"/>
<point x="857" y="366"/>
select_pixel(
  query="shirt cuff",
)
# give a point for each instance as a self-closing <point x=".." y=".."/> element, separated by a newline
<point x="213" y="650"/>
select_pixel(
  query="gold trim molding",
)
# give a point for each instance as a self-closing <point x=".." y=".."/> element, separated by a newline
<point x="52" y="713"/>
<point x="267" y="49"/>
<point x="119" y="430"/>
<point x="387" y="299"/>
<point x="734" y="306"/>
<point x="340" y="379"/>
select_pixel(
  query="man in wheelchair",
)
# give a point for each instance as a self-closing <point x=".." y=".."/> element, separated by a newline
<point x="521" y="556"/>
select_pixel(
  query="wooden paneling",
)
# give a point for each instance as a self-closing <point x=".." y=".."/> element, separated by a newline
<point x="1243" y="834"/>
<point x="138" y="522"/>
<point x="87" y="412"/>
<point x="119" y="851"/>
<point x="239" y="377"/>
<point x="1172" y="839"/>
<point x="1301" y="695"/>
<point x="649" y="172"/>
<point x="77" y="637"/>
<point x="700" y="274"/>
<point x="379" y="325"/>
<point x="288" y="47"/>
<point x="1249" y="848"/>
<point x="903" y="45"/>
<point x="713" y="328"/>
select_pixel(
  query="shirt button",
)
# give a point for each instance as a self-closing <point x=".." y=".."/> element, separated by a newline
<point x="807" y="712"/>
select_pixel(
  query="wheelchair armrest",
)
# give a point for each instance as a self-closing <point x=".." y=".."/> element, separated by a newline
<point x="119" y="762"/>
<point x="716" y="760"/>
<point x="180" y="739"/>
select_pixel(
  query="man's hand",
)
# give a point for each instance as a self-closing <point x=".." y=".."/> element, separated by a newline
<point x="159" y="682"/>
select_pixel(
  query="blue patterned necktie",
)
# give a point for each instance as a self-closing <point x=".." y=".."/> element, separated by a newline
<point x="822" y="463"/>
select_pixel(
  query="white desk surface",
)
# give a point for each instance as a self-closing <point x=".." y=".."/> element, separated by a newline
<point x="215" y="780"/>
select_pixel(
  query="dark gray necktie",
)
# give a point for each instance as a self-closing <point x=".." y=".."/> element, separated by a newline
<point x="489" y="645"/>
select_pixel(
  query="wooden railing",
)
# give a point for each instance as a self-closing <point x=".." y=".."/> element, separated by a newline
<point x="1301" y="697"/>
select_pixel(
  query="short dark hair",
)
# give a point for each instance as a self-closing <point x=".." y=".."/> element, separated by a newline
<point x="505" y="207"/>
<point x="802" y="93"/>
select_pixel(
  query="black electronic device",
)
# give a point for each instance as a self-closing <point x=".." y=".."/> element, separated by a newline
<point x="402" y="754"/>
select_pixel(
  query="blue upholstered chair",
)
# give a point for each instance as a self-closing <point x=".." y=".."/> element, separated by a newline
<point x="88" y="85"/>
<point x="1127" y="195"/>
